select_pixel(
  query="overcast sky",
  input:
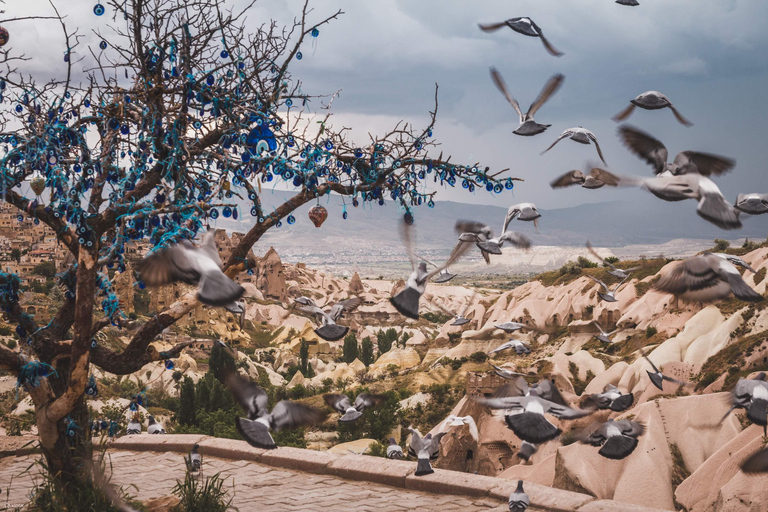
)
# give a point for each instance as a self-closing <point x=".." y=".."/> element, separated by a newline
<point x="710" y="57"/>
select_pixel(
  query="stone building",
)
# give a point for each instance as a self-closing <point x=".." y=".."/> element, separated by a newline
<point x="123" y="285"/>
<point x="270" y="278"/>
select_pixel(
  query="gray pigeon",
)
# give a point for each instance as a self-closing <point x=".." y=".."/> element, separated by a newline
<point x="519" y="346"/>
<point x="154" y="427"/>
<point x="526" y="415"/>
<point x="407" y="301"/>
<point x="525" y="26"/>
<point x="545" y="389"/>
<point x="394" y="451"/>
<point x="611" y="398"/>
<point x="752" y="395"/>
<point x="655" y="154"/>
<point x="527" y="450"/>
<point x="329" y="330"/>
<point x="197" y="266"/>
<point x="705" y="278"/>
<point x="607" y="294"/>
<point x="735" y="260"/>
<point x="757" y="463"/>
<point x="350" y="412"/>
<point x="580" y="135"/>
<point x="134" y="426"/>
<point x="753" y="204"/>
<point x="617" y="439"/>
<point x="238" y="309"/>
<point x="482" y="235"/>
<point x="193" y="460"/>
<point x="518" y="500"/>
<point x="424" y="449"/>
<point x="443" y="276"/>
<point x="528" y="127"/>
<point x="631" y="3"/>
<point x="612" y="269"/>
<point x="605" y="337"/>
<point x="254" y="400"/>
<point x="502" y="372"/>
<point x="460" y="319"/>
<point x="510" y="327"/>
<point x="658" y="378"/>
<point x="650" y="100"/>
<point x="597" y="178"/>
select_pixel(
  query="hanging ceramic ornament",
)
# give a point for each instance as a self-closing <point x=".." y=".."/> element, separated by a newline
<point x="318" y="214"/>
<point x="4" y="36"/>
<point x="37" y="185"/>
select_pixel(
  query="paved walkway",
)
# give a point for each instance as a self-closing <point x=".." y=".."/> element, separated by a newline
<point x="256" y="486"/>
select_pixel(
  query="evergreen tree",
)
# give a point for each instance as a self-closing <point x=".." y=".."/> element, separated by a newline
<point x="304" y="357"/>
<point x="384" y="339"/>
<point x="350" y="348"/>
<point x="366" y="351"/>
<point x="187" y="402"/>
<point x="203" y="392"/>
<point x="220" y="363"/>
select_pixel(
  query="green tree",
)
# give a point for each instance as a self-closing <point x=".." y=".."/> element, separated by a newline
<point x="350" y="350"/>
<point x="384" y="339"/>
<point x="366" y="351"/>
<point x="586" y="262"/>
<point x="721" y="245"/>
<point x="304" y="357"/>
<point x="375" y="423"/>
<point x="220" y="362"/>
<point x="203" y="392"/>
<point x="45" y="269"/>
<point x="16" y="255"/>
<point x="187" y="402"/>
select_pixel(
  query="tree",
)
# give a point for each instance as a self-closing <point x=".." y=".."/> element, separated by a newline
<point x="384" y="339"/>
<point x="179" y="111"/>
<point x="221" y="362"/>
<point x="721" y="245"/>
<point x="45" y="269"/>
<point x="16" y="255"/>
<point x="350" y="349"/>
<point x="187" y="405"/>
<point x="304" y="357"/>
<point x="586" y="262"/>
<point x="366" y="351"/>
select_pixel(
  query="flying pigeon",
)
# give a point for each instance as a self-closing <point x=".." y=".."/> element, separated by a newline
<point x="580" y="135"/>
<point x="605" y="337"/>
<point x="510" y="327"/>
<point x="617" y="439"/>
<point x="253" y="399"/>
<point x="611" y="398"/>
<point x="735" y="260"/>
<point x="686" y="162"/>
<point x="597" y="178"/>
<point x="651" y="100"/>
<point x="527" y="450"/>
<point x="631" y="3"/>
<point x="457" y="421"/>
<point x="198" y="266"/>
<point x="526" y="415"/>
<point x="460" y="319"/>
<point x="528" y="127"/>
<point x="705" y="278"/>
<point x="752" y="395"/>
<point x="193" y="460"/>
<point x="518" y="500"/>
<point x="607" y="295"/>
<point x="329" y="330"/>
<point x="544" y="389"/>
<point x="407" y="301"/>
<point x="502" y="372"/>
<point x="753" y="204"/>
<point x="482" y="235"/>
<point x="757" y="463"/>
<point x="519" y="346"/>
<point x="612" y="269"/>
<point x="134" y="426"/>
<point x="443" y="276"/>
<point x="525" y="26"/>
<point x="658" y="378"/>
<point x="424" y="449"/>
<point x="238" y="309"/>
<point x="154" y="427"/>
<point x="394" y="451"/>
<point x="350" y="412"/>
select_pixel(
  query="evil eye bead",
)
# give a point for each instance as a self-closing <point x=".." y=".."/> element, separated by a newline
<point x="315" y="32"/>
<point x="103" y="45"/>
<point x="224" y="54"/>
<point x="291" y="219"/>
<point x="98" y="9"/>
<point x="299" y="56"/>
<point x="168" y="364"/>
<point x="509" y="185"/>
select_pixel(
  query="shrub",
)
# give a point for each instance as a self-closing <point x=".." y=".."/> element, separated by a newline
<point x="384" y="339"/>
<point x="206" y="496"/>
<point x="650" y="332"/>
<point x="350" y="349"/>
<point x="478" y="357"/>
<point x="366" y="352"/>
<point x="586" y="262"/>
<point x="721" y="245"/>
<point x="11" y="344"/>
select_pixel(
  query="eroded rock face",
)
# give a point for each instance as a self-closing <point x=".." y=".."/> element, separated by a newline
<point x="402" y="358"/>
<point x="270" y="277"/>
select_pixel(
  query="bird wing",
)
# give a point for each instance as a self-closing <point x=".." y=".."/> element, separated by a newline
<point x="606" y="177"/>
<point x="705" y="164"/>
<point x="512" y="212"/>
<point x="597" y="146"/>
<point x="311" y="310"/>
<point x="434" y="445"/>
<point x="551" y="49"/>
<point x="502" y="87"/>
<point x="645" y="146"/>
<point x="574" y="177"/>
<point x="287" y="414"/>
<point x="208" y="247"/>
<point x="247" y="394"/>
<point x="517" y="387"/>
<point x="337" y="402"/>
<point x="616" y="288"/>
<point x="598" y="281"/>
<point x="679" y="116"/>
<point x="491" y="27"/>
<point x="696" y="273"/>
<point x="550" y="88"/>
<point x="366" y="400"/>
<point x="593" y="434"/>
<point x="566" y="133"/>
<point x="345" y="305"/>
<point x="548" y="391"/>
<point x="425" y="260"/>
<point x="469" y="420"/>
<point x="415" y="445"/>
<point x="470" y="226"/>
<point x="512" y="402"/>
<point x="469" y="302"/>
<point x="561" y="411"/>
<point x="624" y="113"/>
<point x="459" y="250"/>
<point x="630" y="428"/>
<point x="651" y="363"/>
<point x="594" y="253"/>
<point x="174" y="263"/>
<point x="600" y="327"/>
<point x="406" y="235"/>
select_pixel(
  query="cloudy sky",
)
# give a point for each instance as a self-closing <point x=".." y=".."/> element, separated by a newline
<point x="710" y="57"/>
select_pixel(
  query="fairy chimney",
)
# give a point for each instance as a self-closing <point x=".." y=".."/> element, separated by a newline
<point x="123" y="286"/>
<point x="271" y="279"/>
<point x="355" y="285"/>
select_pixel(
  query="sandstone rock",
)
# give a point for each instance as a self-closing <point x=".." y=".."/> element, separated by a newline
<point x="355" y="285"/>
<point x="270" y="278"/>
<point x="297" y="380"/>
<point x="402" y="358"/>
<point x="162" y="504"/>
<point x="356" y="446"/>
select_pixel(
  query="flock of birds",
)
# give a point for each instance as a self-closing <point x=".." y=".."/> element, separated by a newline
<point x="704" y="278"/>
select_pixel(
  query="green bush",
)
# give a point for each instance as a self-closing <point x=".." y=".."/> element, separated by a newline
<point x="586" y="262"/>
<point x="650" y="332"/>
<point x="350" y="349"/>
<point x="478" y="357"/>
<point x="206" y="496"/>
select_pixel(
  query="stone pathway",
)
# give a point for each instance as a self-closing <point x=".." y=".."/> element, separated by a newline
<point x="256" y="487"/>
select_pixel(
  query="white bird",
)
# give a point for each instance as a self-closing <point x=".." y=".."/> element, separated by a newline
<point x="329" y="330"/>
<point x="394" y="450"/>
<point x="607" y="294"/>
<point x="153" y="427"/>
<point x="519" y="346"/>
<point x="134" y="426"/>
<point x="197" y="266"/>
<point x="735" y="260"/>
<point x="706" y="278"/>
<point x="503" y="372"/>
<point x="457" y="421"/>
<point x="443" y="276"/>
<point x="518" y="500"/>
<point x="425" y="450"/>
<point x="650" y="100"/>
<point x="351" y="412"/>
<point x="617" y="439"/>
<point x="613" y="270"/>
<point x="525" y="26"/>
<point x="528" y="126"/>
<point x="605" y="337"/>
<point x="580" y="135"/>
<point x="753" y="204"/>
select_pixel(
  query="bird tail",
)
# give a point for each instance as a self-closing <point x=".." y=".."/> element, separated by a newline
<point x="255" y="433"/>
<point x="527" y="450"/>
<point x="742" y="290"/>
<point x="216" y="289"/>
<point x="715" y="209"/>
<point x="350" y="416"/>
<point x="623" y="402"/>
<point x="407" y="302"/>
<point x="758" y="412"/>
<point x="332" y="332"/>
<point x="618" y="447"/>
<point x="532" y="427"/>
<point x="423" y="467"/>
